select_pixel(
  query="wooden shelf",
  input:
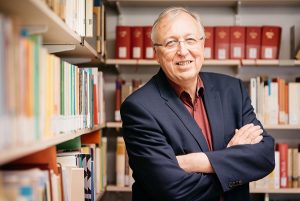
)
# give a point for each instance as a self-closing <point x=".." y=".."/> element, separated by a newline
<point x="273" y="62"/>
<point x="277" y="191"/>
<point x="282" y="127"/>
<point x="144" y="62"/>
<point x="113" y="124"/>
<point x="112" y="188"/>
<point x="228" y="63"/>
<point x="271" y="127"/>
<point x="99" y="196"/>
<point x="231" y="3"/>
<point x="58" y="32"/>
<point x="14" y="153"/>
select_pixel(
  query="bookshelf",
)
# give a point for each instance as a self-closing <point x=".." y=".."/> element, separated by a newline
<point x="54" y="30"/>
<point x="51" y="53"/>
<point x="21" y="151"/>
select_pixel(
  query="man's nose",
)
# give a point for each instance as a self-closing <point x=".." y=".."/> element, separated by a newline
<point x="182" y="49"/>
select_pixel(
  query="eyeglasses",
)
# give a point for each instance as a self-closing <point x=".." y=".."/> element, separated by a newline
<point x="173" y="44"/>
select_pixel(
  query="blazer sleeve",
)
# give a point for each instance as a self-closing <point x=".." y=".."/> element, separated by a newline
<point x="154" y="164"/>
<point x="241" y="164"/>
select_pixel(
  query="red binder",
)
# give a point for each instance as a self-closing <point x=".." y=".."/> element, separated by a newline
<point x="123" y="42"/>
<point x="222" y="34"/>
<point x="148" y="49"/>
<point x="137" y="39"/>
<point x="253" y="41"/>
<point x="209" y="43"/>
<point x="237" y="42"/>
<point x="271" y="37"/>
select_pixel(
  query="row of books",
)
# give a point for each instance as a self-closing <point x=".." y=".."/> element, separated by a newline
<point x="134" y="42"/>
<point x="123" y="90"/>
<point x="78" y="14"/>
<point x="286" y="173"/>
<point x="81" y="175"/>
<point x="275" y="101"/>
<point x="240" y="42"/>
<point x="42" y="95"/>
<point x="221" y="42"/>
<point x="85" y="17"/>
<point x="123" y="171"/>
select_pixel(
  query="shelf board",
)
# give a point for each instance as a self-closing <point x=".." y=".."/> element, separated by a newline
<point x="226" y="62"/>
<point x="230" y="3"/>
<point x="14" y="153"/>
<point x="273" y="127"/>
<point x="277" y="191"/>
<point x="99" y="196"/>
<point x="282" y="127"/>
<point x="272" y="62"/>
<point x="112" y="188"/>
<point x="58" y="32"/>
<point x="113" y="124"/>
<point x="144" y="62"/>
<point x="212" y="62"/>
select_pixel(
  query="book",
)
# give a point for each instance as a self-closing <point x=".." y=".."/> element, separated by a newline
<point x="123" y="42"/>
<point x="137" y="42"/>
<point x="237" y="42"/>
<point x="253" y="41"/>
<point x="120" y="162"/>
<point x="148" y="49"/>
<point x="222" y="39"/>
<point x="209" y="42"/>
<point x="270" y="44"/>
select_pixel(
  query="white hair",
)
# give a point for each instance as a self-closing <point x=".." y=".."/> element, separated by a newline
<point x="173" y="11"/>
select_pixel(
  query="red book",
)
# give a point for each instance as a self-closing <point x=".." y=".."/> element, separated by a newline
<point x="123" y="42"/>
<point x="137" y="38"/>
<point x="237" y="42"/>
<point x="222" y="42"/>
<point x="270" y="44"/>
<point x="283" y="164"/>
<point x="253" y="41"/>
<point x="118" y="99"/>
<point x="148" y="49"/>
<point x="209" y="43"/>
<point x="95" y="95"/>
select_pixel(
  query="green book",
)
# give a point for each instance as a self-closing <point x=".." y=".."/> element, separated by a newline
<point x="73" y="144"/>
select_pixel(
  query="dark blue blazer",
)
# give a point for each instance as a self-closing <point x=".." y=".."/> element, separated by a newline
<point x="157" y="127"/>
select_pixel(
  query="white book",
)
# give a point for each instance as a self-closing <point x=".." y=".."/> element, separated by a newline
<point x="89" y="18"/>
<point x="294" y="100"/>
<point x="253" y="92"/>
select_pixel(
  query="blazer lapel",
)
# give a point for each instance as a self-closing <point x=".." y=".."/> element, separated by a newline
<point x="214" y="112"/>
<point x="175" y="104"/>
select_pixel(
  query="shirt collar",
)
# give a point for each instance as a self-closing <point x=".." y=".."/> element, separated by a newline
<point x="179" y="90"/>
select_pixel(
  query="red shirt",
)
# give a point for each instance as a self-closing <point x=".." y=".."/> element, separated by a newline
<point x="196" y="108"/>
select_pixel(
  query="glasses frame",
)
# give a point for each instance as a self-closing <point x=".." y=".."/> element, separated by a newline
<point x="178" y="43"/>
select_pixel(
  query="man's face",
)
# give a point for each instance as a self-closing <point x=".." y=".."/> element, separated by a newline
<point x="181" y="63"/>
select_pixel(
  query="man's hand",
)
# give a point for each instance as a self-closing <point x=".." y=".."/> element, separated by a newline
<point x="195" y="162"/>
<point x="248" y="134"/>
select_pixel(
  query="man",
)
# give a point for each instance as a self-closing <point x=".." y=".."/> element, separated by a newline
<point x="192" y="136"/>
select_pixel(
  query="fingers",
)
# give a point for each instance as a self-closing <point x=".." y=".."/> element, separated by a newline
<point x="248" y="134"/>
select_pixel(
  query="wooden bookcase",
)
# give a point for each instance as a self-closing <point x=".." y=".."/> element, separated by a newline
<point x="59" y="39"/>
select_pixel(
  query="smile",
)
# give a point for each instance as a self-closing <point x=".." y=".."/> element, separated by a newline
<point x="182" y="63"/>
